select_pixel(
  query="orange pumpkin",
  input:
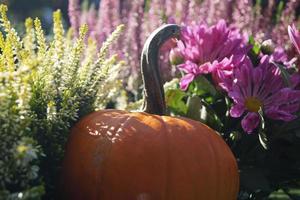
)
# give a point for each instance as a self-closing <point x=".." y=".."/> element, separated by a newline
<point x="119" y="155"/>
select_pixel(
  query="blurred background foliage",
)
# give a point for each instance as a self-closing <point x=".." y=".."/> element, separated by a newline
<point x="19" y="10"/>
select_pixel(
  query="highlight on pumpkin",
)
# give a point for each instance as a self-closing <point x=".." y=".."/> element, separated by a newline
<point x="150" y="99"/>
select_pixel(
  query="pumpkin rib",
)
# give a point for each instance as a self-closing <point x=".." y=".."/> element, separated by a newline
<point x="232" y="169"/>
<point x="187" y="138"/>
<point x="193" y="178"/>
<point x="216" y="157"/>
<point x="168" y="160"/>
<point x="208" y="138"/>
<point x="166" y="146"/>
<point x="100" y="177"/>
<point x="203" y="138"/>
<point x="120" y="127"/>
<point x="101" y="150"/>
<point x="142" y="119"/>
<point x="216" y="165"/>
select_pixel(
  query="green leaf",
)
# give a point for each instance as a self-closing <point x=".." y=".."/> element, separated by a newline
<point x="194" y="106"/>
<point x="255" y="46"/>
<point x="147" y="5"/>
<point x="175" y="100"/>
<point x="254" y="51"/>
<point x="279" y="10"/>
<point x="263" y="139"/>
<point x="202" y="86"/>
<point x="210" y="117"/>
<point x="284" y="74"/>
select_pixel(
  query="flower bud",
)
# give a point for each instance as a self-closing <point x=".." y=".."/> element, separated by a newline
<point x="267" y="47"/>
<point x="175" y="57"/>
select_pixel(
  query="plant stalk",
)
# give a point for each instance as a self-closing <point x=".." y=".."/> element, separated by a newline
<point x="154" y="98"/>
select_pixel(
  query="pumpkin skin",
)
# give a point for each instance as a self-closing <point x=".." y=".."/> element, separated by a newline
<point x="119" y="155"/>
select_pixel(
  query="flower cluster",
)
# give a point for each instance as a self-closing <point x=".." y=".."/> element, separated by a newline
<point x="261" y="87"/>
<point x="254" y="88"/>
<point x="204" y="48"/>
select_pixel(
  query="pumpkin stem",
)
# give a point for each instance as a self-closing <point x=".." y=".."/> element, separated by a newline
<point x="154" y="98"/>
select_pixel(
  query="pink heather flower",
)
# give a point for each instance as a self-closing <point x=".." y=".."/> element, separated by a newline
<point x="261" y="87"/>
<point x="74" y="14"/>
<point x="203" y="47"/>
<point x="294" y="37"/>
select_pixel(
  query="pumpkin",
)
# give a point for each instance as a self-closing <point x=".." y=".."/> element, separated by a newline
<point x="120" y="155"/>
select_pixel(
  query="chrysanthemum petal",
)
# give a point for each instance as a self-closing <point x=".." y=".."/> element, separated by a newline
<point x="186" y="80"/>
<point x="274" y="113"/>
<point x="237" y="110"/>
<point x="250" y="122"/>
<point x="294" y="36"/>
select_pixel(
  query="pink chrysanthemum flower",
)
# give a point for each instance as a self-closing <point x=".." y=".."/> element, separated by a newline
<point x="203" y="47"/>
<point x="294" y="36"/>
<point x="261" y="87"/>
<point x="223" y="72"/>
<point x="279" y="55"/>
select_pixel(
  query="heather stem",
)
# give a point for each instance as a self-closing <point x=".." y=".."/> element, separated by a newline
<point x="154" y="99"/>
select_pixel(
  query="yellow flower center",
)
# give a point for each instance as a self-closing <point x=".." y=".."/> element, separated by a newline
<point x="253" y="104"/>
<point x="22" y="148"/>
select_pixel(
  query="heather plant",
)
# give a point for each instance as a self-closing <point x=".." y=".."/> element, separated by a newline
<point x="249" y="95"/>
<point x="262" y="19"/>
<point x="46" y="85"/>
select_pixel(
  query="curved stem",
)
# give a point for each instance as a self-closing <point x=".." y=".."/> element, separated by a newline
<point x="154" y="98"/>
